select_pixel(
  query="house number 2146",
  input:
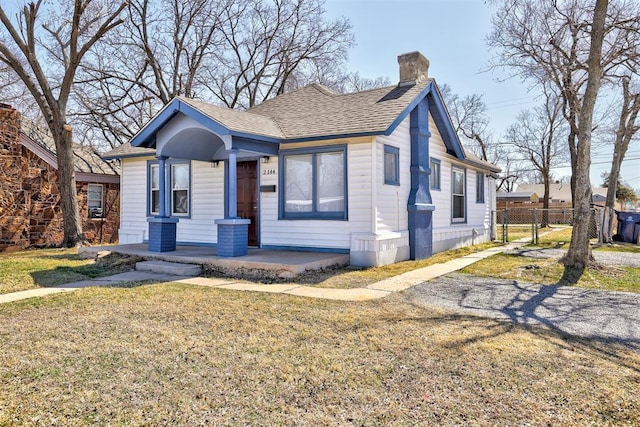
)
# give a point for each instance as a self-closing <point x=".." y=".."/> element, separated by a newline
<point x="268" y="172"/>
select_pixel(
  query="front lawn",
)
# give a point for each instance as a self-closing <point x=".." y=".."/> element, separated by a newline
<point x="549" y="271"/>
<point x="170" y="354"/>
<point x="31" y="269"/>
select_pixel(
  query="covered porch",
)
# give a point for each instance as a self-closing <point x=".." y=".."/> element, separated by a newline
<point x="261" y="262"/>
<point x="189" y="131"/>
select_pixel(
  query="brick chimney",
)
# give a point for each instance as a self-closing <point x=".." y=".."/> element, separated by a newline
<point x="9" y="130"/>
<point x="413" y="68"/>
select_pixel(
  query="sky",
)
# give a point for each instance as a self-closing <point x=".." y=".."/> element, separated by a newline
<point x="452" y="34"/>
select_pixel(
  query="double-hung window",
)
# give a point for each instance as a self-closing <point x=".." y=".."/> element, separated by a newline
<point x="180" y="189"/>
<point x="314" y="184"/>
<point x="458" y="203"/>
<point x="479" y="187"/>
<point x="177" y="187"/>
<point x="95" y="200"/>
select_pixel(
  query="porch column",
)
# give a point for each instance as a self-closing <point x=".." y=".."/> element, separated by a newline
<point x="162" y="229"/>
<point x="233" y="232"/>
<point x="420" y="205"/>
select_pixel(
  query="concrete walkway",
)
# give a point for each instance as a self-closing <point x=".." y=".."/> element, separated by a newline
<point x="374" y="291"/>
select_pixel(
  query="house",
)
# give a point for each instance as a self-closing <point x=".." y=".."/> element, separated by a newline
<point x="560" y="193"/>
<point x="379" y="175"/>
<point x="30" y="212"/>
<point x="519" y="197"/>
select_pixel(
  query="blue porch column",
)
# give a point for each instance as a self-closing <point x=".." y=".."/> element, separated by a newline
<point x="233" y="232"/>
<point x="420" y="206"/>
<point x="162" y="228"/>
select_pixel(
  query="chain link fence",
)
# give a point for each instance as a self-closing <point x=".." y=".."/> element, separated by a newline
<point x="519" y="223"/>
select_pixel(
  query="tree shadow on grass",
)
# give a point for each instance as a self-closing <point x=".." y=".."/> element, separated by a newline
<point x="106" y="266"/>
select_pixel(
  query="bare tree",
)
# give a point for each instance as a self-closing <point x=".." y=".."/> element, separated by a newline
<point x="44" y="45"/>
<point x="234" y="53"/>
<point x="471" y="121"/>
<point x="625" y="131"/>
<point x="572" y="45"/>
<point x="538" y="136"/>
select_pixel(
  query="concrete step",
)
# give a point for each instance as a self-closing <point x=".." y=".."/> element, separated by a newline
<point x="173" y="268"/>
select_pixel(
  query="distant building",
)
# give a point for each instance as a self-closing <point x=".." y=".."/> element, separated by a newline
<point x="30" y="211"/>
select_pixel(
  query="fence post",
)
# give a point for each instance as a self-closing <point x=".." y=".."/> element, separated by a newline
<point x="505" y="237"/>
<point x="534" y="227"/>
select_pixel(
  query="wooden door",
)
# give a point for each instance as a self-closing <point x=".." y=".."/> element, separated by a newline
<point x="248" y="197"/>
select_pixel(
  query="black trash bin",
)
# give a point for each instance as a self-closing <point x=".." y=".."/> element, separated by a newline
<point x="629" y="226"/>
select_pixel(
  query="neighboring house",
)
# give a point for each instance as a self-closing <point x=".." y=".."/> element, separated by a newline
<point x="378" y="174"/>
<point x="30" y="212"/>
<point x="516" y="197"/>
<point x="560" y="193"/>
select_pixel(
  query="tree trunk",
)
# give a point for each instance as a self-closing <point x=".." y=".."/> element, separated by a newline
<point x="73" y="235"/>
<point x="579" y="254"/>
<point x="545" y="201"/>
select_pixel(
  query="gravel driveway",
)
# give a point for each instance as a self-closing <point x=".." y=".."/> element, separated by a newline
<point x="601" y="315"/>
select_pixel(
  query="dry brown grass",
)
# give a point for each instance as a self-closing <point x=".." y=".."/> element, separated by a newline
<point x="177" y="355"/>
<point x="31" y="269"/>
<point x="353" y="277"/>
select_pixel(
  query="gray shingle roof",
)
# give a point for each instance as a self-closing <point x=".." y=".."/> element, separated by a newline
<point x="316" y="111"/>
<point x="235" y="120"/>
<point x="86" y="159"/>
<point x="127" y="150"/>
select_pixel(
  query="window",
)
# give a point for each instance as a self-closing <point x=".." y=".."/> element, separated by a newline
<point x="434" y="178"/>
<point x="391" y="165"/>
<point x="479" y="187"/>
<point x="154" y="189"/>
<point x="457" y="194"/>
<point x="314" y="184"/>
<point x="95" y="200"/>
<point x="178" y="188"/>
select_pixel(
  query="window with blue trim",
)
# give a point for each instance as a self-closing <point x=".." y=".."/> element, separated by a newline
<point x="479" y="187"/>
<point x="391" y="165"/>
<point x="314" y="184"/>
<point x="178" y="188"/>
<point x="434" y="177"/>
<point x="458" y="195"/>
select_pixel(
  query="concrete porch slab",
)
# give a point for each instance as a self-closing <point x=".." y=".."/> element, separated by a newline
<point x="260" y="262"/>
<point x="172" y="268"/>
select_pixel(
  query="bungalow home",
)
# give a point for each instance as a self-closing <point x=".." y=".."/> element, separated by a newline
<point x="378" y="174"/>
<point x="30" y="212"/>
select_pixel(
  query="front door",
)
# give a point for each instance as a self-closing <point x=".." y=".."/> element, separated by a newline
<point x="248" y="197"/>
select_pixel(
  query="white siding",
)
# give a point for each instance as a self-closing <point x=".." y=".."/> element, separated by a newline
<point x="133" y="200"/>
<point x="322" y="233"/>
<point x="391" y="210"/>
<point x="207" y="204"/>
<point x="477" y="228"/>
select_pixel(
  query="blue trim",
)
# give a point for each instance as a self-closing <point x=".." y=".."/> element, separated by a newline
<point x="419" y="205"/>
<point x="168" y="191"/>
<point x="439" y="175"/>
<point x="409" y="108"/>
<point x="314" y="214"/>
<point x="146" y="136"/>
<point x="395" y="152"/>
<point x="247" y="144"/>
<point x="444" y="125"/>
<point x="306" y="249"/>
<point x="226" y="185"/>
